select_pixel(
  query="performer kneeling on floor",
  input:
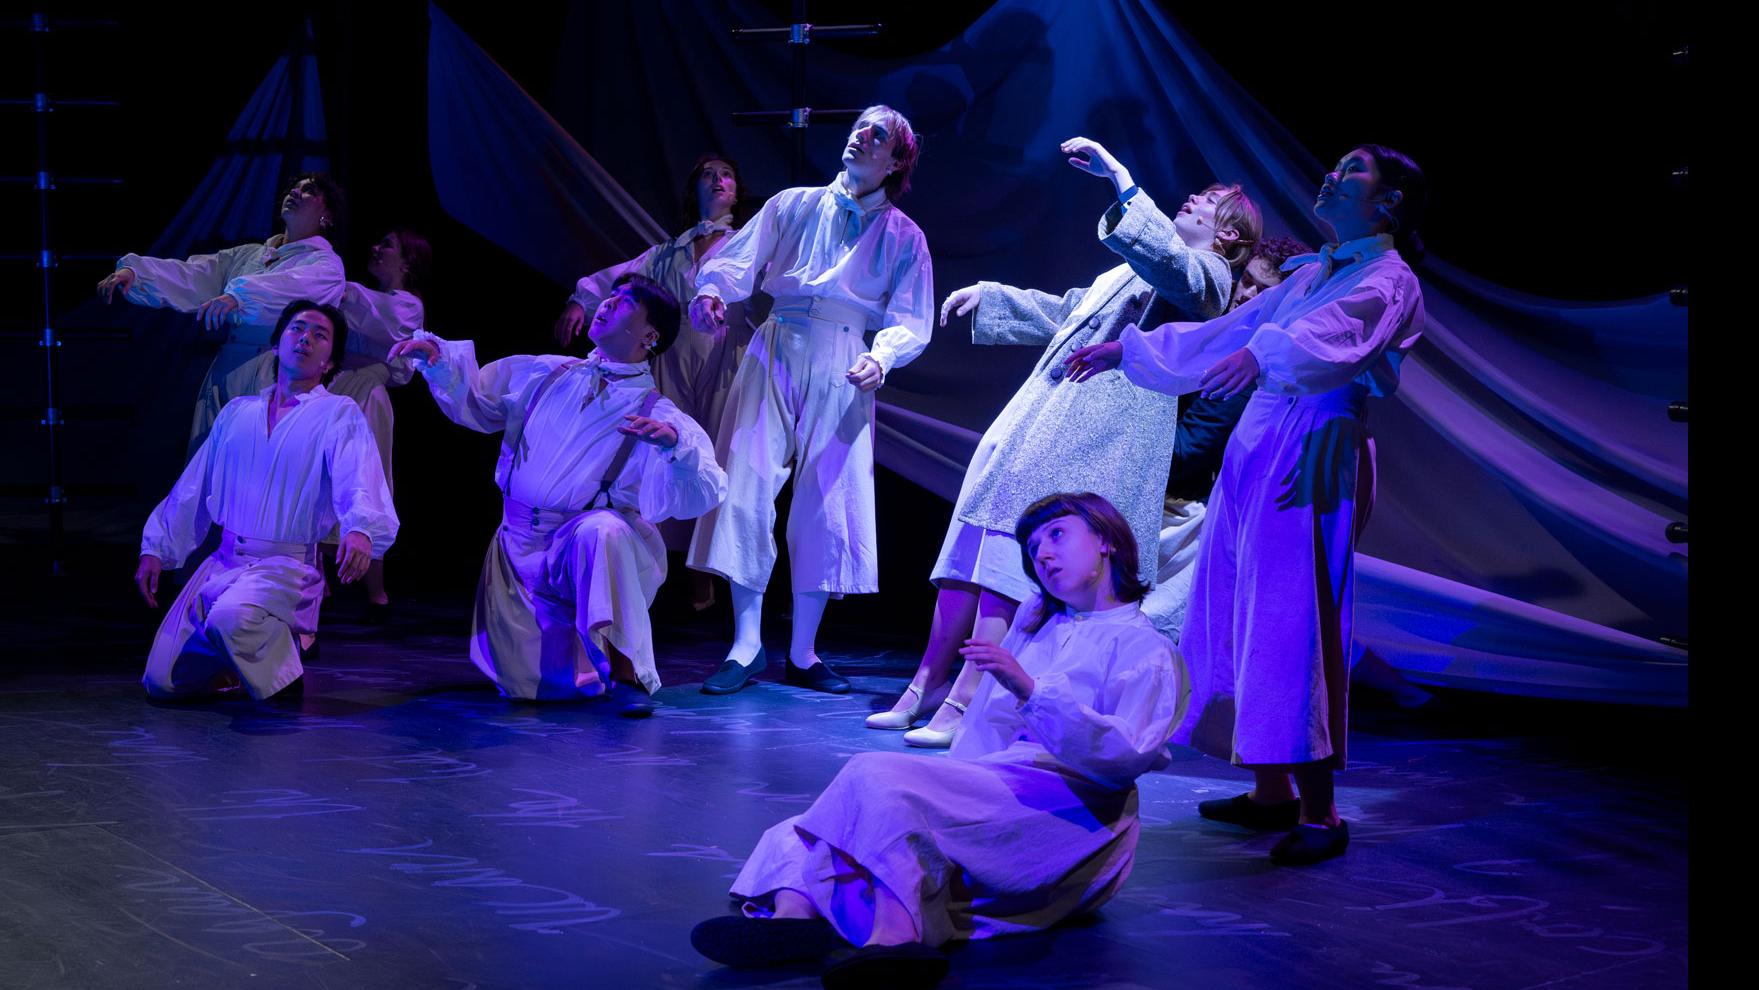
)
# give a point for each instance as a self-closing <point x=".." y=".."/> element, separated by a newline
<point x="1032" y="819"/>
<point x="277" y="472"/>
<point x="592" y="456"/>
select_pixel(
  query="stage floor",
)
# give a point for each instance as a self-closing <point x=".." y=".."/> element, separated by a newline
<point x="407" y="827"/>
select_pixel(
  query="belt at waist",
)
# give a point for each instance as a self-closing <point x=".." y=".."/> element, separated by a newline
<point x="533" y="518"/>
<point x="800" y="309"/>
<point x="231" y="544"/>
<point x="1349" y="400"/>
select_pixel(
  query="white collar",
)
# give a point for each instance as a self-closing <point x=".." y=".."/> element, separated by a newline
<point x="1360" y="248"/>
<point x="871" y="203"/>
<point x="598" y="362"/>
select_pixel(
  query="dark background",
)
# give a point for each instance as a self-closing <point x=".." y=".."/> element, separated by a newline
<point x="1548" y="134"/>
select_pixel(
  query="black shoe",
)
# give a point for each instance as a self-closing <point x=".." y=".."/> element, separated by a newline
<point x="631" y="700"/>
<point x="737" y="941"/>
<point x="1309" y="844"/>
<point x="818" y="677"/>
<point x="376" y="613"/>
<point x="887" y="967"/>
<point x="732" y="675"/>
<point x="291" y="696"/>
<point x="1247" y="813"/>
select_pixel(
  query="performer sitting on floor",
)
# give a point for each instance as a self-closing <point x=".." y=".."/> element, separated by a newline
<point x="278" y="472"/>
<point x="1268" y="635"/>
<point x="561" y="609"/>
<point x="1033" y="816"/>
<point x="1177" y="267"/>
<point x="839" y="260"/>
<point x="244" y="288"/>
<point x="696" y="372"/>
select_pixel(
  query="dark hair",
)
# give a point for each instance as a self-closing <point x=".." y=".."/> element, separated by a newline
<point x="418" y="255"/>
<point x="690" y="211"/>
<point x="1277" y="250"/>
<point x="1105" y="521"/>
<point x="335" y="201"/>
<point x="338" y="340"/>
<point x="657" y="303"/>
<point x="1398" y="171"/>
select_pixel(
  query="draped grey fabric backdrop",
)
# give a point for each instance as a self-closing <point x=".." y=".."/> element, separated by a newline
<point x="1527" y="466"/>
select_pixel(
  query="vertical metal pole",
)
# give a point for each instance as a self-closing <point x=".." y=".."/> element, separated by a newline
<point x="52" y="419"/>
<point x="797" y="90"/>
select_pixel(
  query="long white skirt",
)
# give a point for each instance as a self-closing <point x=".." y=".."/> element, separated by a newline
<point x="1267" y="639"/>
<point x="1012" y="842"/>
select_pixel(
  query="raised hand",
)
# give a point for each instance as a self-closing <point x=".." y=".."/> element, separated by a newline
<point x="1000" y="664"/>
<point x="962" y="301"/>
<point x="569" y="323"/>
<point x="1091" y="157"/>
<point x="120" y="279"/>
<point x="425" y="351"/>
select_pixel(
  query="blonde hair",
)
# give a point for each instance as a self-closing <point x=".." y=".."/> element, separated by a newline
<point x="1236" y="210"/>
<point x="906" y="147"/>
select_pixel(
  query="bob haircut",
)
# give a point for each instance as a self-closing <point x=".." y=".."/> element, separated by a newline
<point x="1105" y="521"/>
<point x="657" y="304"/>
<point x="338" y="339"/>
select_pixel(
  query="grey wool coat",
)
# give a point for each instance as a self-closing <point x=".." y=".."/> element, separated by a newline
<point x="1103" y="435"/>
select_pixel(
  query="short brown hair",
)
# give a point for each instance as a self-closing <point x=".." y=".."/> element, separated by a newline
<point x="1101" y="517"/>
<point x="906" y="147"/>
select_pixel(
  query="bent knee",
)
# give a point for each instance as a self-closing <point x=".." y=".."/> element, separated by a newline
<point x="229" y="618"/>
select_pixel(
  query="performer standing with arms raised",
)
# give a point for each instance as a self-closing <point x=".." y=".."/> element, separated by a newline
<point x="1267" y="640"/>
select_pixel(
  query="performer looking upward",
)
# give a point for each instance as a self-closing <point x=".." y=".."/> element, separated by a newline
<point x="278" y="472"/>
<point x="378" y="319"/>
<point x="592" y="456"/>
<point x="1180" y="266"/>
<point x="1268" y="635"/>
<point x="243" y="289"/>
<point x="696" y="372"/>
<point x="839" y="260"/>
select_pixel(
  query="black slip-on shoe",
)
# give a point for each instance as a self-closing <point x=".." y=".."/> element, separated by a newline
<point x="630" y="700"/>
<point x="1243" y="811"/>
<point x="887" y="967"/>
<point x="753" y="942"/>
<point x="1309" y="844"/>
<point x="731" y="675"/>
<point x="818" y="677"/>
